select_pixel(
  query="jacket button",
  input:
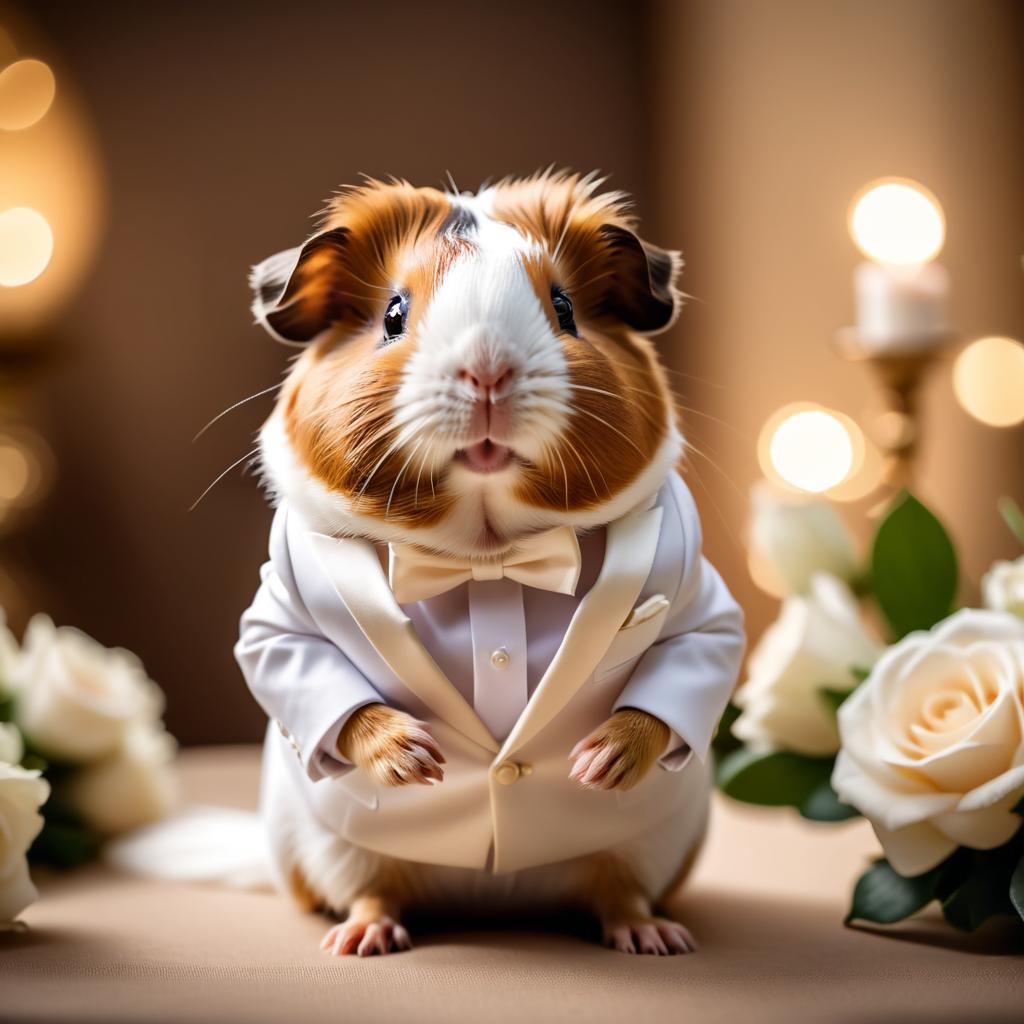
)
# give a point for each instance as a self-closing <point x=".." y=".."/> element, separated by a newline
<point x="508" y="772"/>
<point x="500" y="658"/>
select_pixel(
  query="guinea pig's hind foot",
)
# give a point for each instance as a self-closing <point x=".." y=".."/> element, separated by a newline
<point x="656" y="936"/>
<point x="610" y="889"/>
<point x="371" y="929"/>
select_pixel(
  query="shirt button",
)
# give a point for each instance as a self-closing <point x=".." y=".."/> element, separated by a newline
<point x="500" y="658"/>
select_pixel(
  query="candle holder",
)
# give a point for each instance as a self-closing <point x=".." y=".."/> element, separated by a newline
<point x="898" y="374"/>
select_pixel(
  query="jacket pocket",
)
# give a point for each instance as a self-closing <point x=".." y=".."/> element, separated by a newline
<point x="637" y="633"/>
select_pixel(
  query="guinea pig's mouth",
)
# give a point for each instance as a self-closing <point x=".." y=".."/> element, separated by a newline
<point x="485" y="456"/>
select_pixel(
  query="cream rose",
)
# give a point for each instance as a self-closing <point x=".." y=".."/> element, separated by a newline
<point x="815" y="643"/>
<point x="933" y="741"/>
<point x="133" y="787"/>
<point x="22" y="793"/>
<point x="12" y="748"/>
<point x="1002" y="587"/>
<point x="794" y="538"/>
<point x="75" y="698"/>
<point x="8" y="657"/>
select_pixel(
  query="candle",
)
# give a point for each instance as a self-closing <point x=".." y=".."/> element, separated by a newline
<point x="900" y="294"/>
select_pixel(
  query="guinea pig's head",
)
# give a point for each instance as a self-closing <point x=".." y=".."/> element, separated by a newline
<point x="473" y="368"/>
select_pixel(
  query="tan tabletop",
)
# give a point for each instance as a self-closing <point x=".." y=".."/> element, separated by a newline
<point x="766" y="903"/>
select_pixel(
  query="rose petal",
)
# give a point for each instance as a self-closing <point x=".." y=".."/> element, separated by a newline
<point x="983" y="829"/>
<point x="16" y="891"/>
<point x="1006" y="785"/>
<point x="915" y="849"/>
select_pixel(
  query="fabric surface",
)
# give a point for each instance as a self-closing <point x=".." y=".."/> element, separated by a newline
<point x="766" y="904"/>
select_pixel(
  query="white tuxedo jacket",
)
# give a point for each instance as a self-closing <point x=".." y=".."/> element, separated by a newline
<point x="325" y="636"/>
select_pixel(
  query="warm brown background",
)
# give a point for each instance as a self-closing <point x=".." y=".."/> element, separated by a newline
<point x="743" y="127"/>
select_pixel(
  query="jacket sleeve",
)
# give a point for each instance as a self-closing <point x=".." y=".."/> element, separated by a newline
<point x="687" y="676"/>
<point x="300" y="679"/>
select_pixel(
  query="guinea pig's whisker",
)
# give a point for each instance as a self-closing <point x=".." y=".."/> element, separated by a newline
<point x="259" y="394"/>
<point x="621" y="434"/>
<point x="714" y="419"/>
<point x="690" y="447"/>
<point x="693" y="377"/>
<point x="733" y="539"/>
<point x="586" y="470"/>
<point x="565" y="474"/>
<point x="592" y="280"/>
<point x="248" y="455"/>
<point x="380" y="462"/>
<point x="405" y="465"/>
<point x="597" y="465"/>
<point x="601" y="391"/>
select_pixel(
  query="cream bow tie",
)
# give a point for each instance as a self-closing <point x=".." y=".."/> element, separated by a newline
<point x="547" y="561"/>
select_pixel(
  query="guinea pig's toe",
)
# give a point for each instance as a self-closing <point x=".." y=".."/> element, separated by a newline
<point x="652" y="936"/>
<point x="366" y="937"/>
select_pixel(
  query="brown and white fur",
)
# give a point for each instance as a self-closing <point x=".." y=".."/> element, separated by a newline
<point x="483" y="421"/>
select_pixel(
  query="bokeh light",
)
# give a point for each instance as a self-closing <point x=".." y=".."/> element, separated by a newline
<point x="897" y="222"/>
<point x="27" y="88"/>
<point x="988" y="380"/>
<point x="26" y="471"/>
<point x="808" y="448"/>
<point x="26" y="246"/>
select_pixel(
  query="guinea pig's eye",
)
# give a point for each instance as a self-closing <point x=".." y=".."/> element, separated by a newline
<point x="563" y="309"/>
<point x="394" y="317"/>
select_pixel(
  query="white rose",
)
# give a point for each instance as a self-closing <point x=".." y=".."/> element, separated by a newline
<point x="22" y="793"/>
<point x="815" y="643"/>
<point x="8" y="657"/>
<point x="133" y="787"/>
<point x="794" y="538"/>
<point x="76" y="698"/>
<point x="933" y="741"/>
<point x="1002" y="587"/>
<point x="12" y="749"/>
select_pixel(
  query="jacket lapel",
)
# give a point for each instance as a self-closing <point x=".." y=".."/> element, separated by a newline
<point x="355" y="573"/>
<point x="629" y="554"/>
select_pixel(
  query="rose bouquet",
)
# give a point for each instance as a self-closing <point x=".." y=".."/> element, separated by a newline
<point x="924" y="736"/>
<point x="83" y="753"/>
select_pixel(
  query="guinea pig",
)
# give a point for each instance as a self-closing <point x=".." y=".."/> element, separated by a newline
<point x="491" y="651"/>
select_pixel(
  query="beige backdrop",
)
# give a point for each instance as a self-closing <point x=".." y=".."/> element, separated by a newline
<point x="744" y="127"/>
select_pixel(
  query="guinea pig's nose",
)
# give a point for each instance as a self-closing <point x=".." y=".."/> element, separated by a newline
<point x="486" y="383"/>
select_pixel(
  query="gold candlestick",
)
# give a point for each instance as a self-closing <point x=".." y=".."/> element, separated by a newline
<point x="897" y="429"/>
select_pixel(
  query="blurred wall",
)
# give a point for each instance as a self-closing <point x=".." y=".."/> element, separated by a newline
<point x="224" y="127"/>
<point x="743" y="128"/>
<point x="768" y="117"/>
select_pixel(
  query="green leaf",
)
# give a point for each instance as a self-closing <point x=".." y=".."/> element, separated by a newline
<point x="824" y="805"/>
<point x="1011" y="512"/>
<point x="833" y="699"/>
<point x="860" y="672"/>
<point x="1017" y="888"/>
<point x="884" y="897"/>
<point x="725" y="742"/>
<point x="63" y="845"/>
<point x="985" y="892"/>
<point x="777" y="779"/>
<point x="6" y="709"/>
<point x="913" y="567"/>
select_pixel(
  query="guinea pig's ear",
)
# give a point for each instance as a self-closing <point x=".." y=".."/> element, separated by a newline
<point x="640" y="287"/>
<point x="301" y="292"/>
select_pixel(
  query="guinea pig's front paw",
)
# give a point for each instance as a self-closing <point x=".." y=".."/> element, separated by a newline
<point x="620" y="752"/>
<point x="393" y="748"/>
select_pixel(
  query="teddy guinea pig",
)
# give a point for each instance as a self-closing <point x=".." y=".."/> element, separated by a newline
<point x="491" y="651"/>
